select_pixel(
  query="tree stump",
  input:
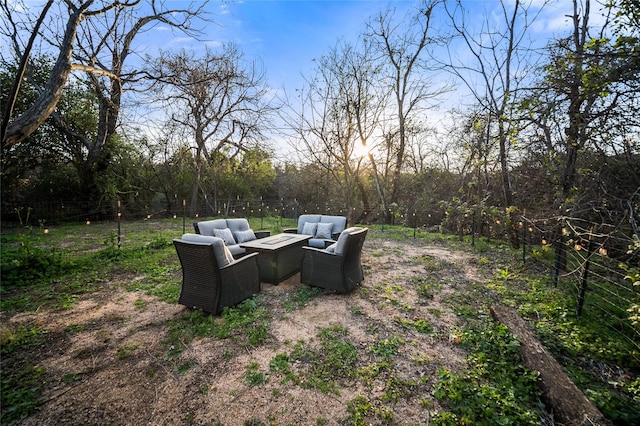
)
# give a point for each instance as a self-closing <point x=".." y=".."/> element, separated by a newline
<point x="569" y="405"/>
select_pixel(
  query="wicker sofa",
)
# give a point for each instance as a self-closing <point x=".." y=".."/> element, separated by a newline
<point x="233" y="231"/>
<point x="324" y="229"/>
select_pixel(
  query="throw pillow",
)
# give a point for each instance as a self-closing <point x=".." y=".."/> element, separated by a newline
<point x="244" y="236"/>
<point x="324" y="231"/>
<point x="226" y="235"/>
<point x="309" y="228"/>
<point x="331" y="248"/>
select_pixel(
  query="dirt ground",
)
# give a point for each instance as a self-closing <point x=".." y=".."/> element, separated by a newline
<point x="105" y="359"/>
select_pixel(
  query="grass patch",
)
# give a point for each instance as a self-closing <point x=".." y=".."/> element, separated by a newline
<point x="321" y="366"/>
<point x="21" y="336"/>
<point x="301" y="297"/>
<point x="493" y="387"/>
<point x="248" y="321"/>
<point x="20" y="391"/>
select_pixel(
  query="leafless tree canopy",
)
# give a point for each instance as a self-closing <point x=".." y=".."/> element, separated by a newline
<point x="96" y="38"/>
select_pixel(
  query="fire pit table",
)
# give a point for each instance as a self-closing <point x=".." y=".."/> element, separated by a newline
<point x="279" y="256"/>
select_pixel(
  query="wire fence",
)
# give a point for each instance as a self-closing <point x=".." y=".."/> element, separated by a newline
<point x="593" y="262"/>
<point x="596" y="263"/>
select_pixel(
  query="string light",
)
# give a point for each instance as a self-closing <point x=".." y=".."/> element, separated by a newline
<point x="603" y="251"/>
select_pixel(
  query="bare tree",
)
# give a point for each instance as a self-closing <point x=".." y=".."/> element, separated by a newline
<point x="339" y="113"/>
<point x="499" y="59"/>
<point x="220" y="101"/>
<point x="403" y="48"/>
<point x="97" y="41"/>
<point x="21" y="127"/>
<point x="587" y="103"/>
<point x="104" y="47"/>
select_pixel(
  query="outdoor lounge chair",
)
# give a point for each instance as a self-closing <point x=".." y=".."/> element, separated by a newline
<point x="337" y="267"/>
<point x="211" y="278"/>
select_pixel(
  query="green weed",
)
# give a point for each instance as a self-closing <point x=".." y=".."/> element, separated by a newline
<point x="247" y="319"/>
<point x="20" y="392"/>
<point x="361" y="410"/>
<point x="254" y="377"/>
<point x="301" y="297"/>
<point x="387" y="348"/>
<point x="495" y="385"/>
<point x="420" y="325"/>
<point x="126" y="351"/>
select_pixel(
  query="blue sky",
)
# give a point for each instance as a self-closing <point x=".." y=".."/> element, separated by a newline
<point x="287" y="34"/>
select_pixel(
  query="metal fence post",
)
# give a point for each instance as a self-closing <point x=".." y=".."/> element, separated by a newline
<point x="119" y="213"/>
<point x="184" y="215"/>
<point x="524" y="241"/>
<point x="559" y="254"/>
<point x="583" y="279"/>
<point x="473" y="228"/>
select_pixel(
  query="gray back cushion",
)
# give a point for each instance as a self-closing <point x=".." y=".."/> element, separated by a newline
<point x="220" y="251"/>
<point x="303" y="218"/>
<point x="342" y="239"/>
<point x="236" y="225"/>
<point x="206" y="227"/>
<point x="339" y="223"/>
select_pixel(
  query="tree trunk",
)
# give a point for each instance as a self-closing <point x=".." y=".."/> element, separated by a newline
<point x="569" y="405"/>
<point x="23" y="126"/>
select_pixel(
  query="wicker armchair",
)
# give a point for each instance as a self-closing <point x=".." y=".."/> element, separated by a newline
<point x="337" y="267"/>
<point x="208" y="286"/>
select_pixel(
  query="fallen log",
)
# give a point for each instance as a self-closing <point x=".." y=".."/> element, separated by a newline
<point x="568" y="404"/>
